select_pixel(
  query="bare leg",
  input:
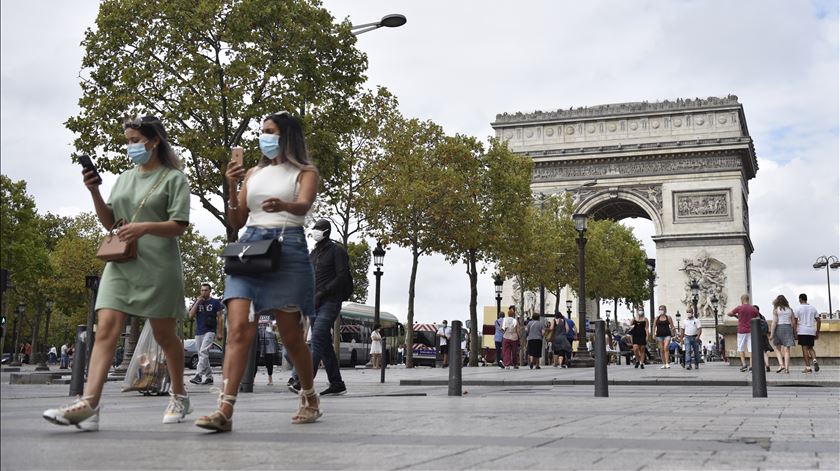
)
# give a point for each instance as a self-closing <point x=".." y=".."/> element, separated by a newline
<point x="787" y="357"/>
<point x="288" y="323"/>
<point x="107" y="332"/>
<point x="239" y="338"/>
<point x="173" y="348"/>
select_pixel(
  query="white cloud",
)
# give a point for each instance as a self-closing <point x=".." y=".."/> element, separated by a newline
<point x="461" y="63"/>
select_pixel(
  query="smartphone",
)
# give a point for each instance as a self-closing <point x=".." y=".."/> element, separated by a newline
<point x="87" y="164"/>
<point x="237" y="154"/>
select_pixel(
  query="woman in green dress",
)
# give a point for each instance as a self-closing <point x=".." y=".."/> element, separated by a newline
<point x="153" y="199"/>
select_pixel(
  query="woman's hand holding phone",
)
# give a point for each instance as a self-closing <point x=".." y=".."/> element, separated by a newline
<point x="236" y="168"/>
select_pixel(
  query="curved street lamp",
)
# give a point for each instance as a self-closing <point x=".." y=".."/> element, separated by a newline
<point x="388" y="21"/>
<point x="827" y="261"/>
<point x="650" y="263"/>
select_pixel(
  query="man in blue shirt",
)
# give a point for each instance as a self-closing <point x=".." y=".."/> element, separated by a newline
<point x="207" y="312"/>
<point x="497" y="338"/>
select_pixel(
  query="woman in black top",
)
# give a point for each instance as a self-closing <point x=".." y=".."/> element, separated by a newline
<point x="639" y="331"/>
<point x="664" y="331"/>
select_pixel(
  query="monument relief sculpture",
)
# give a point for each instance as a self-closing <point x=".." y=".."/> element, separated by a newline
<point x="710" y="274"/>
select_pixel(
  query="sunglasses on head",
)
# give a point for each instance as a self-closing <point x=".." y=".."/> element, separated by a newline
<point x="137" y="122"/>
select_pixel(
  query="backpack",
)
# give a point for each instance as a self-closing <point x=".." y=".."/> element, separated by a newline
<point x="763" y="327"/>
<point x="571" y="333"/>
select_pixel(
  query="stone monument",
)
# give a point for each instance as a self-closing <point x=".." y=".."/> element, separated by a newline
<point x="684" y="164"/>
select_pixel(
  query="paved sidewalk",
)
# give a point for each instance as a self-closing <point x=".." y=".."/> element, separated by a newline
<point x="388" y="426"/>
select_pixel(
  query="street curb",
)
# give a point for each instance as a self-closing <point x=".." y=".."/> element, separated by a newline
<point x="589" y="382"/>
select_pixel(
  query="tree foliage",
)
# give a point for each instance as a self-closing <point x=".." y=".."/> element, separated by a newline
<point x="211" y="69"/>
<point x="486" y="192"/>
<point x="359" y="254"/>
<point x="359" y="150"/>
<point x="201" y="262"/>
<point x="404" y="208"/>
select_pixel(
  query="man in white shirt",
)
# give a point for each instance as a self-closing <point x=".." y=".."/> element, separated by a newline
<point x="692" y="332"/>
<point x="808" y="330"/>
<point x="444" y="333"/>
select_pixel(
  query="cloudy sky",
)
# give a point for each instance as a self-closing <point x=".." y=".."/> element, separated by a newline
<point x="459" y="63"/>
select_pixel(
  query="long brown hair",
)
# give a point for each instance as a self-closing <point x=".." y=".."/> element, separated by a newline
<point x="291" y="136"/>
<point x="781" y="302"/>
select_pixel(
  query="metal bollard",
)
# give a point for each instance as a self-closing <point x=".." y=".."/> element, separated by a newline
<point x="247" y="383"/>
<point x="455" y="360"/>
<point x="77" y="380"/>
<point x="599" y="343"/>
<point x="759" y="376"/>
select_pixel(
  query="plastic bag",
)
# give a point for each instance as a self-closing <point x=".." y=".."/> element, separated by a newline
<point x="147" y="371"/>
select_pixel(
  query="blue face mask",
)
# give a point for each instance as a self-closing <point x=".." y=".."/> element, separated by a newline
<point x="138" y="154"/>
<point x="270" y="145"/>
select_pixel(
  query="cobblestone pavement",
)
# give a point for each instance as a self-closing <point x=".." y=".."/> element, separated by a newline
<point x="510" y="421"/>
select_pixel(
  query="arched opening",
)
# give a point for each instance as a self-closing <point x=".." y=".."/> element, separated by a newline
<point x="642" y="218"/>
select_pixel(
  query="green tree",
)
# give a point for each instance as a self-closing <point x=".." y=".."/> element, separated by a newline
<point x="405" y="208"/>
<point x="211" y="69"/>
<point x="23" y="253"/>
<point x="74" y="257"/>
<point x="485" y="193"/>
<point x="359" y="254"/>
<point x="201" y="262"/>
<point x="615" y="263"/>
<point x="345" y="191"/>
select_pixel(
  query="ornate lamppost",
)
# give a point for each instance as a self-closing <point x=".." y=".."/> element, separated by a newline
<point x="695" y="296"/>
<point x="378" y="257"/>
<point x="677" y="315"/>
<point x="498" y="283"/>
<point x="827" y="261"/>
<point x="608" y="320"/>
<point x="568" y="308"/>
<point x="582" y="358"/>
<point x="715" y="302"/>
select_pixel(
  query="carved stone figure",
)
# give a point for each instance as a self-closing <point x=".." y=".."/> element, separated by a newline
<point x="710" y="274"/>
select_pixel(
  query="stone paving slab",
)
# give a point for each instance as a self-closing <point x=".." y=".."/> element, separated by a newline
<point x="378" y="426"/>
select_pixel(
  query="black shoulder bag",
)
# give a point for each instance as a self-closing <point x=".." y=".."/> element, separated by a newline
<point x="252" y="258"/>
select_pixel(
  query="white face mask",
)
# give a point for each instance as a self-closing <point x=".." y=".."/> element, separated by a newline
<point x="317" y="235"/>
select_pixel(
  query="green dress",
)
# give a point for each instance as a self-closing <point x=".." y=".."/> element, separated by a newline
<point x="152" y="285"/>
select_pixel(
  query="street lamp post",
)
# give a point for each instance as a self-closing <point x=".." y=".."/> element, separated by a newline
<point x="715" y="303"/>
<point x="91" y="283"/>
<point x="498" y="283"/>
<point x="827" y="261"/>
<point x="651" y="266"/>
<point x="43" y="348"/>
<point x="608" y="320"/>
<point x="19" y="312"/>
<point x="378" y="257"/>
<point x="695" y="295"/>
<point x="678" y="321"/>
<point x="388" y="21"/>
<point x="581" y="359"/>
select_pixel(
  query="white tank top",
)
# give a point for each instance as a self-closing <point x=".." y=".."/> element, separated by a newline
<point x="273" y="181"/>
<point x="784" y="315"/>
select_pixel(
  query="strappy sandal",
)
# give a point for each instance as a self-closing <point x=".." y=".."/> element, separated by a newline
<point x="781" y="368"/>
<point x="218" y="421"/>
<point x="308" y="412"/>
<point x="806" y="370"/>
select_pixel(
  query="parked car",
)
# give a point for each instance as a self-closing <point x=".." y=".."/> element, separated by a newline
<point x="191" y="354"/>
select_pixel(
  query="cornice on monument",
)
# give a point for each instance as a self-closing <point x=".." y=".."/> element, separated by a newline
<point x="616" y="110"/>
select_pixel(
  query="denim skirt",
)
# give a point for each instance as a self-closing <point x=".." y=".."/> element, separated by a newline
<point x="290" y="288"/>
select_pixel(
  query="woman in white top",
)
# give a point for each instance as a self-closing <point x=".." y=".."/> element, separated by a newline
<point x="274" y="200"/>
<point x="782" y="331"/>
<point x="376" y="347"/>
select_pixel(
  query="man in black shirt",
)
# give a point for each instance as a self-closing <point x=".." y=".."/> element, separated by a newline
<point x="333" y="285"/>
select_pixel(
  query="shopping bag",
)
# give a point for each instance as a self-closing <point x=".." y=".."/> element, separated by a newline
<point x="147" y="371"/>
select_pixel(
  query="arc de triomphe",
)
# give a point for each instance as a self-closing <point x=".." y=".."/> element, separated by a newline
<point x="685" y="165"/>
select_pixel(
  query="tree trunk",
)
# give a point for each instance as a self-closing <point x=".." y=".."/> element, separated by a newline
<point x="409" y="328"/>
<point x="473" y="311"/>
